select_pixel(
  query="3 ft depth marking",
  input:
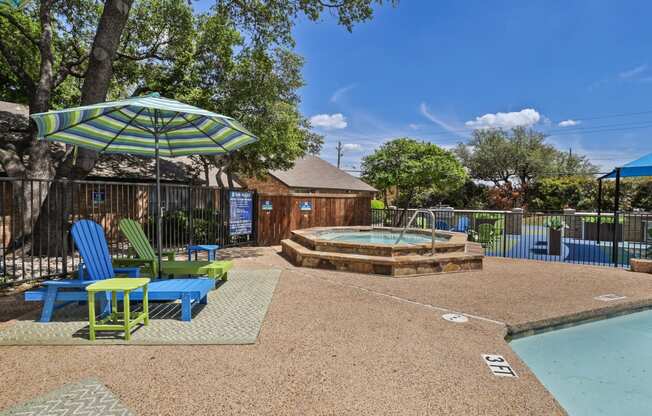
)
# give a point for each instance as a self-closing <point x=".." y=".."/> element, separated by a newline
<point x="499" y="365"/>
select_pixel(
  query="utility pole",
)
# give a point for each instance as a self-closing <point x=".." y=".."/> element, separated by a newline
<point x="339" y="153"/>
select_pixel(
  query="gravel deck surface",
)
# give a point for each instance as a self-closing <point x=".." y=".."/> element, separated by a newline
<point x="339" y="343"/>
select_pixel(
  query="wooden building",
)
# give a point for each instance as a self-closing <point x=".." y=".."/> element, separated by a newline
<point x="313" y="193"/>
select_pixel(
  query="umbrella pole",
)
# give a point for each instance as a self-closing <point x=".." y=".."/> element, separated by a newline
<point x="159" y="219"/>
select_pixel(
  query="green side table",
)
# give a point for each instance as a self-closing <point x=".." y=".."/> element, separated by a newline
<point x="116" y="320"/>
<point x="216" y="269"/>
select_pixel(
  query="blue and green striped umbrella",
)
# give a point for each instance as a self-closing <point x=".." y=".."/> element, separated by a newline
<point x="136" y="125"/>
<point x="148" y="126"/>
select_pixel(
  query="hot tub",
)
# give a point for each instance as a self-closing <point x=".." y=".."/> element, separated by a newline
<point x="375" y="250"/>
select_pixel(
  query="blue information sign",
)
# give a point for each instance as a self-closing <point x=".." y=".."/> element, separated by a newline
<point x="305" y="206"/>
<point x="241" y="212"/>
<point x="267" y="205"/>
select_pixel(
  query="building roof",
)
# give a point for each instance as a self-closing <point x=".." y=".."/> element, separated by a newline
<point x="14" y="108"/>
<point x="314" y="173"/>
<point x="130" y="167"/>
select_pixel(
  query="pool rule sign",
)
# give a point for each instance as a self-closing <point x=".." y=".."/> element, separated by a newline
<point x="241" y="208"/>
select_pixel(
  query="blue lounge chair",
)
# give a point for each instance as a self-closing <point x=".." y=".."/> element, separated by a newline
<point x="91" y="243"/>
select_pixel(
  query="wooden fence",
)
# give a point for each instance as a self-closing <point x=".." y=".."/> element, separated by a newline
<point x="280" y="214"/>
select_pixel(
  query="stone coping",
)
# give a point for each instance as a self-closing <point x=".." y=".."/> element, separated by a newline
<point x="527" y="329"/>
<point x="379" y="259"/>
<point x="310" y="238"/>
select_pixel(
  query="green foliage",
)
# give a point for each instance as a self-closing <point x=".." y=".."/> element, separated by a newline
<point x="576" y="192"/>
<point x="470" y="195"/>
<point x="413" y="167"/>
<point x="235" y="59"/>
<point x="554" y="223"/>
<point x="377" y="204"/>
<point x="176" y="226"/>
<point x="581" y="193"/>
<point x="515" y="160"/>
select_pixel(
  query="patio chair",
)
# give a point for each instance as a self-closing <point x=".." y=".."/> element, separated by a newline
<point x="486" y="234"/>
<point x="462" y="225"/>
<point x="97" y="265"/>
<point x="442" y="225"/>
<point x="171" y="268"/>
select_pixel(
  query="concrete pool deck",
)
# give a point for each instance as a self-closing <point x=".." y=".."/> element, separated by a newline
<point x="342" y="343"/>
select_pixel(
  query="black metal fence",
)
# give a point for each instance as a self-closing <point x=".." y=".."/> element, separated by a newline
<point x="36" y="216"/>
<point x="606" y="239"/>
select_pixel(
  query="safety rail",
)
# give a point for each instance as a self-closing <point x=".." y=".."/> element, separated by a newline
<point x="432" y="216"/>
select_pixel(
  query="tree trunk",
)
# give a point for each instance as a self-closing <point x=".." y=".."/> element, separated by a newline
<point x="98" y="77"/>
<point x="27" y="195"/>
<point x="96" y="85"/>
<point x="406" y="206"/>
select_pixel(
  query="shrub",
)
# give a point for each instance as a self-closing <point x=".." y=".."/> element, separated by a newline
<point x="377" y="204"/>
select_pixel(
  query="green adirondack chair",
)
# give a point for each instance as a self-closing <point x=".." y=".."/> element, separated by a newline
<point x="147" y="258"/>
<point x="486" y="234"/>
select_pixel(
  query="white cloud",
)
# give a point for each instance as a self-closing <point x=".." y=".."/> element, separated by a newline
<point x="568" y="123"/>
<point x="631" y="73"/>
<point x="355" y="147"/>
<point x="340" y="92"/>
<point x="329" y="121"/>
<point x="525" y="118"/>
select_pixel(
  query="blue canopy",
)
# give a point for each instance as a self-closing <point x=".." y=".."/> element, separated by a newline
<point x="638" y="167"/>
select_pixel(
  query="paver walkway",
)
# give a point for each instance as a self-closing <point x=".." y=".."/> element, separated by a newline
<point x="233" y="315"/>
<point x="87" y="398"/>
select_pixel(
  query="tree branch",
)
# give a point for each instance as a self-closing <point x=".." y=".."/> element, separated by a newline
<point x="17" y="68"/>
<point x="331" y="5"/>
<point x="68" y="68"/>
<point x="141" y="57"/>
<point x="15" y="23"/>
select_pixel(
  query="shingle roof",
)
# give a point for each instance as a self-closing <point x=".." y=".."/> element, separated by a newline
<point x="177" y="169"/>
<point x="315" y="173"/>
<point x="14" y="108"/>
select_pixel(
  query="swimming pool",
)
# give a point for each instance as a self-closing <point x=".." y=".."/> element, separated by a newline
<point x="378" y="237"/>
<point x="598" y="368"/>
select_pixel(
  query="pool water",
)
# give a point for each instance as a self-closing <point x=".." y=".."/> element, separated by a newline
<point x="598" y="368"/>
<point x="377" y="237"/>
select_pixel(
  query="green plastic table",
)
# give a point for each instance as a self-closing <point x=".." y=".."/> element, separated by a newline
<point x="117" y="321"/>
<point x="216" y="269"/>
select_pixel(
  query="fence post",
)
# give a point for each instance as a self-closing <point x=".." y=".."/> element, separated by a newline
<point x="614" y="248"/>
<point x="65" y="189"/>
<point x="599" y="208"/>
<point x="516" y="221"/>
<point x="504" y="233"/>
<point x="190" y="215"/>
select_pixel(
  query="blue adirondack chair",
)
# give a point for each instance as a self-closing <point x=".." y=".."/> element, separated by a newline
<point x="58" y="293"/>
<point x="441" y="225"/>
<point x="462" y="225"/>
<point x="91" y="243"/>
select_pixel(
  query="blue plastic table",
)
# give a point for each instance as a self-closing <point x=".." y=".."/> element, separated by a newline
<point x="208" y="248"/>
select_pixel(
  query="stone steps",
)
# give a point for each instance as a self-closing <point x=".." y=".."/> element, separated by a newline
<point x="397" y="266"/>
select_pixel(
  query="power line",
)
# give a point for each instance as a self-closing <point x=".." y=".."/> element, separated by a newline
<point x="455" y="138"/>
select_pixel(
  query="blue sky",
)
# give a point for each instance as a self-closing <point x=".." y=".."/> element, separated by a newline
<point x="433" y="70"/>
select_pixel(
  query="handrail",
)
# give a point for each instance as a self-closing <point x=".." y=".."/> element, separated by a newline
<point x="432" y="216"/>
